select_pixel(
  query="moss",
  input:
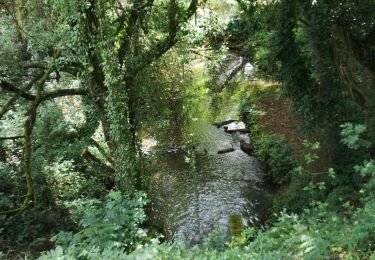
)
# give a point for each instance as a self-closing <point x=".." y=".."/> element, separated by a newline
<point x="235" y="225"/>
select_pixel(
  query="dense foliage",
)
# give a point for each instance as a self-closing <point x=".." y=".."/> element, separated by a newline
<point x="83" y="82"/>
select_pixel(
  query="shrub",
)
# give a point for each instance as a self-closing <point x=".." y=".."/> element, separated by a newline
<point x="112" y="224"/>
<point x="66" y="183"/>
<point x="277" y="158"/>
<point x="339" y="196"/>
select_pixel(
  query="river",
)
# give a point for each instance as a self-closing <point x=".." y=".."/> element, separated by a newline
<point x="192" y="199"/>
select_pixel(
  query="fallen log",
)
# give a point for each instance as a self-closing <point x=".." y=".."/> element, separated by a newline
<point x="226" y="150"/>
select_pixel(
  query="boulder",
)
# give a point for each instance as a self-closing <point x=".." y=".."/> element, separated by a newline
<point x="246" y="147"/>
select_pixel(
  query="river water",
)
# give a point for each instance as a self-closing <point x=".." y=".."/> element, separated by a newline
<point x="190" y="200"/>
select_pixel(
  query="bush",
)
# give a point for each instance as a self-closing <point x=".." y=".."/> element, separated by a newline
<point x="66" y="183"/>
<point x="271" y="150"/>
<point x="339" y="196"/>
<point x="317" y="233"/>
<point x="277" y="158"/>
<point x="112" y="224"/>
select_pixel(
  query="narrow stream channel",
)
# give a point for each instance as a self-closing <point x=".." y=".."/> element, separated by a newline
<point x="190" y="201"/>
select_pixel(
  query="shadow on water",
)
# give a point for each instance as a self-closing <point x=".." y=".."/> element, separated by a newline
<point x="190" y="201"/>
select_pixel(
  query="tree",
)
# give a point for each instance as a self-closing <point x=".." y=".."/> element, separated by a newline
<point x="102" y="44"/>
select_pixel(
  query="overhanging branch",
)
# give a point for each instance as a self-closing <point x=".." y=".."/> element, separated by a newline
<point x="64" y="92"/>
<point x="42" y="76"/>
<point x="160" y="48"/>
<point x="46" y="96"/>
<point x="11" y="88"/>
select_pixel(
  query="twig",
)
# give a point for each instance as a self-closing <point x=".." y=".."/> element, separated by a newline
<point x="12" y="137"/>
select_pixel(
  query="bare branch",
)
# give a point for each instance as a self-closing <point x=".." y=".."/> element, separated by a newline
<point x="11" y="88"/>
<point x="46" y="96"/>
<point x="12" y="137"/>
<point x="63" y="92"/>
<point x="23" y="89"/>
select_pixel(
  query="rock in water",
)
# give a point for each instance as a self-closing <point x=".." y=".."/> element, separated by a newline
<point x="227" y="150"/>
<point x="227" y="122"/>
<point x="241" y="131"/>
<point x="247" y="148"/>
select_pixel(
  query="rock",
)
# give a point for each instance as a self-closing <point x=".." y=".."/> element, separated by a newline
<point x="227" y="122"/>
<point x="226" y="150"/>
<point x="247" y="148"/>
<point x="242" y="131"/>
<point x="243" y="137"/>
<point x="236" y="127"/>
<point x="245" y="116"/>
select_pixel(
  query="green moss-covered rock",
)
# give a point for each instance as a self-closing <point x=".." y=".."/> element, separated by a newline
<point x="235" y="225"/>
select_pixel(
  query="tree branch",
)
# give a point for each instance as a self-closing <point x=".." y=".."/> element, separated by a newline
<point x="168" y="42"/>
<point x="23" y="89"/>
<point x="232" y="73"/>
<point x="12" y="137"/>
<point x="27" y="151"/>
<point x="135" y="14"/>
<point x="71" y="68"/>
<point x="46" y="96"/>
<point x="63" y="92"/>
<point x="96" y="163"/>
<point x="102" y="151"/>
<point x="11" y="88"/>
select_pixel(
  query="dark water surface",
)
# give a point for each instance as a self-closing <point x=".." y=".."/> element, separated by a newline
<point x="192" y="200"/>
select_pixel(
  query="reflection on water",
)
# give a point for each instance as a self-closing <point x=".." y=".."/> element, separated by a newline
<point x="190" y="202"/>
